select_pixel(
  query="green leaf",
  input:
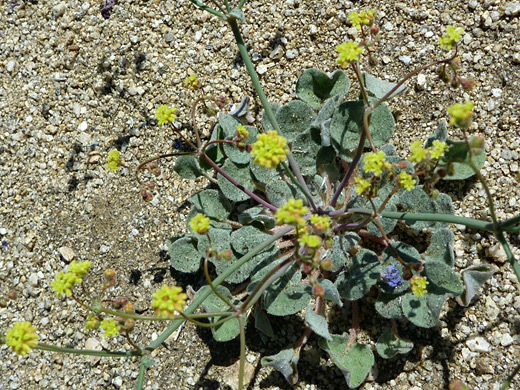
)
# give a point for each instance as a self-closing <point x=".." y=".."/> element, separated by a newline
<point x="266" y="124"/>
<point x="285" y="362"/>
<point x="318" y="324"/>
<point x="262" y="322"/>
<point x="422" y="311"/>
<point x="234" y="154"/>
<point x="440" y="134"/>
<point x="264" y="175"/>
<point x="229" y="329"/>
<point x="347" y="124"/>
<point x="364" y="272"/>
<point x="187" y="167"/>
<point x="242" y="175"/>
<point x="184" y="254"/>
<point x="246" y="238"/>
<point x="287" y="301"/>
<point x="442" y="276"/>
<point x="331" y="292"/>
<point x="355" y="363"/>
<point x="256" y="214"/>
<point x="211" y="203"/>
<point x="340" y="247"/>
<point x="389" y="305"/>
<point x="294" y="118"/>
<point x="305" y="151"/>
<point x="388" y="345"/>
<point x="441" y="247"/>
<point x="378" y="88"/>
<point x="314" y="86"/>
<point x="325" y="114"/>
<point x="474" y="277"/>
<point x="236" y="13"/>
<point x="459" y="154"/>
<point x="279" y="191"/>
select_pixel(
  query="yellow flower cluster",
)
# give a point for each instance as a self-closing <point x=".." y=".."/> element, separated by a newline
<point x="269" y="150"/>
<point x="374" y="162"/>
<point x="113" y="160"/>
<point x="361" y="185"/>
<point x="418" y="285"/>
<point x="361" y="18"/>
<point x="110" y="327"/>
<point x="168" y="299"/>
<point x="461" y="114"/>
<point x="419" y="153"/>
<point x="406" y="181"/>
<point x="200" y="223"/>
<point x="165" y="114"/>
<point x="66" y="280"/>
<point x="348" y="52"/>
<point x="191" y="82"/>
<point x="291" y="213"/>
<point x="452" y="37"/>
<point x="438" y="149"/>
<point x="242" y="132"/>
<point x="310" y="240"/>
<point x="21" y="338"/>
<point x="320" y="223"/>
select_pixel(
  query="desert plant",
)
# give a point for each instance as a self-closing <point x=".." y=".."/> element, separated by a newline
<point x="303" y="209"/>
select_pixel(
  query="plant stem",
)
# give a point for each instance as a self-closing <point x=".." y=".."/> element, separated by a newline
<point x="510" y="377"/>
<point x="239" y="186"/>
<point x="198" y="301"/>
<point x="209" y="9"/>
<point x="263" y="99"/>
<point x="242" y="352"/>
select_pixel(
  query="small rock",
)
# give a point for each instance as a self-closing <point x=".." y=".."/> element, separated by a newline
<point x="291" y="54"/>
<point x="483" y="366"/>
<point x="467" y="354"/>
<point x="67" y="253"/>
<point x="421" y="82"/>
<point x="506" y="340"/>
<point x="513" y="9"/>
<point x="3" y="231"/>
<point x="58" y="10"/>
<point x="498" y="253"/>
<point x="94" y="344"/>
<point x="478" y="344"/>
<point x="261" y="69"/>
<point x="492" y="310"/>
<point x="405" y="59"/>
<point x="84" y="138"/>
<point x="169" y="36"/>
<point x="313" y="29"/>
<point x="117" y="381"/>
<point x="83" y="126"/>
<point x="388" y="26"/>
<point x="386" y="60"/>
<point x="33" y="279"/>
<point x="10" y="66"/>
<point x="516" y="58"/>
<point x="104" y="248"/>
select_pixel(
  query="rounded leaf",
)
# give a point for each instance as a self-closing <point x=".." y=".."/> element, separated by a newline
<point x="315" y="86"/>
<point x="294" y="118"/>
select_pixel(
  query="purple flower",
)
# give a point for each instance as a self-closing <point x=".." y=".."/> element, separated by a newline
<point x="390" y="275"/>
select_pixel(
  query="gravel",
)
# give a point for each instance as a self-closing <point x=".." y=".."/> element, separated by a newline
<point x="74" y="85"/>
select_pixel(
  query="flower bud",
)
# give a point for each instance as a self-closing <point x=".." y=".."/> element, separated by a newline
<point x="318" y="290"/>
<point x="129" y="308"/>
<point x="147" y="197"/>
<point x="307" y="268"/>
<point x="12" y="294"/>
<point x="326" y="264"/>
<point x="374" y="30"/>
<point x="120" y="302"/>
<point x="457" y="385"/>
<point x="227" y="254"/>
<point x="372" y="61"/>
<point x="455" y="82"/>
<point x="3" y="303"/>
<point x="467" y="83"/>
<point x="110" y="275"/>
<point x="129" y="324"/>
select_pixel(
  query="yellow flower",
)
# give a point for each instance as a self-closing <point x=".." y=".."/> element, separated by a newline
<point x="451" y="37"/>
<point x="81" y="268"/>
<point x="168" y="299"/>
<point x="348" y="52"/>
<point x="242" y="132"/>
<point x="375" y="162"/>
<point x="461" y="114"/>
<point x="269" y="150"/>
<point x="191" y="82"/>
<point x="418" y="285"/>
<point x="291" y="213"/>
<point x="165" y="114"/>
<point x="199" y="223"/>
<point x="361" y="185"/>
<point x="320" y="222"/>
<point x="110" y="328"/>
<point x="64" y="283"/>
<point x="418" y="152"/>
<point x="113" y="160"/>
<point x="310" y="240"/>
<point x="361" y="18"/>
<point x="92" y="322"/>
<point x="438" y="149"/>
<point x="21" y="338"/>
<point x="406" y="181"/>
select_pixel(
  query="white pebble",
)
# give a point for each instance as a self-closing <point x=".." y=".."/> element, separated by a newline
<point x="478" y="344"/>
